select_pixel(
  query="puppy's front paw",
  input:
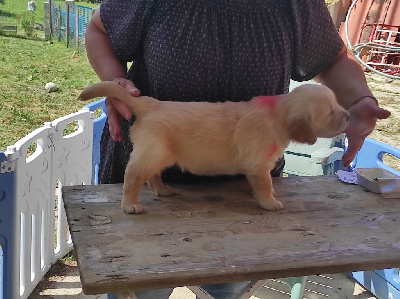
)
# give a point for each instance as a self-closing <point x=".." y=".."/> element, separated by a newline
<point x="271" y="204"/>
<point x="133" y="208"/>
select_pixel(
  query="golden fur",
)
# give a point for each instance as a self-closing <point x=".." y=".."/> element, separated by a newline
<point x="220" y="138"/>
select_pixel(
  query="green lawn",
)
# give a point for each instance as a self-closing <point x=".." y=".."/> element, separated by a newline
<point x="25" y="67"/>
<point x="11" y="9"/>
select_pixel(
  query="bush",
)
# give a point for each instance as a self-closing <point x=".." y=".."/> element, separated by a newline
<point x="27" y="21"/>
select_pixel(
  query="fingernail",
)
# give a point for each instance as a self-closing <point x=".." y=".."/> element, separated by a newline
<point x="134" y="91"/>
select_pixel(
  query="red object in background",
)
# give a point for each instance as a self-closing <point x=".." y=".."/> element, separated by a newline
<point x="386" y="35"/>
<point x="376" y="21"/>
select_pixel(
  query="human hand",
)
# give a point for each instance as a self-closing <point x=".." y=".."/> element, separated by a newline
<point x="363" y="117"/>
<point x="117" y="110"/>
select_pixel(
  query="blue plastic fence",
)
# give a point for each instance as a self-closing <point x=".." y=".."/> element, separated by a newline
<point x="6" y="229"/>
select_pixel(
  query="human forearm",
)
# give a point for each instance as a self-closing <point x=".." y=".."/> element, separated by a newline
<point x="100" y="53"/>
<point x="346" y="78"/>
<point x="107" y="66"/>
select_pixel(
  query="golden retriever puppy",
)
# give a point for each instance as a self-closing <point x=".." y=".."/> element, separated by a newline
<point x="220" y="138"/>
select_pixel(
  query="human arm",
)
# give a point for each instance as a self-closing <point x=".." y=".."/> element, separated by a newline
<point x="346" y="78"/>
<point x="108" y="68"/>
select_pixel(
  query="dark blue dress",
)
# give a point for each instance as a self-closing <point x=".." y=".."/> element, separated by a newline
<point x="213" y="50"/>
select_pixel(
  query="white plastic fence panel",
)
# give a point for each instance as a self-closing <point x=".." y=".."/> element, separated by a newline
<point x="32" y="209"/>
<point x="57" y="160"/>
<point x="72" y="164"/>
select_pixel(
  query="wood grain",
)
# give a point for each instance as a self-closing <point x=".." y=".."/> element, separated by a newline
<point x="216" y="232"/>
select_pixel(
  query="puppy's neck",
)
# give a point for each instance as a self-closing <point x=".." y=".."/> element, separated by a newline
<point x="267" y="101"/>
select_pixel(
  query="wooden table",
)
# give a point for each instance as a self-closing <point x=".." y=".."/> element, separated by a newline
<point x="216" y="232"/>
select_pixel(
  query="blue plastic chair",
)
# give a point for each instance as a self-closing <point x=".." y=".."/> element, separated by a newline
<point x="384" y="284"/>
<point x="371" y="155"/>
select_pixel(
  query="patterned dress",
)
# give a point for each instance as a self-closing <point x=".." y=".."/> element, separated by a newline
<point x="213" y="50"/>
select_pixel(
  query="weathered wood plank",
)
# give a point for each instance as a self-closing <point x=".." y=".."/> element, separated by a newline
<point x="217" y="233"/>
<point x="12" y="28"/>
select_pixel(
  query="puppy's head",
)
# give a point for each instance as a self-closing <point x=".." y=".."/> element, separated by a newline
<point x="311" y="112"/>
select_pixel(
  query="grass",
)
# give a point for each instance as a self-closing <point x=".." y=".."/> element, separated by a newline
<point x="25" y="67"/>
<point x="11" y="9"/>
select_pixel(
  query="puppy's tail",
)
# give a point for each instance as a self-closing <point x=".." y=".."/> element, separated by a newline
<point x="138" y="105"/>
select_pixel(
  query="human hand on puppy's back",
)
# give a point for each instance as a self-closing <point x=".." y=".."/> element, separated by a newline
<point x="117" y="110"/>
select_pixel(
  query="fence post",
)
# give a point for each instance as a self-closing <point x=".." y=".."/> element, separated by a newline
<point x="51" y="19"/>
<point x="47" y="20"/>
<point x="77" y="29"/>
<point x="68" y="5"/>
<point x="59" y="23"/>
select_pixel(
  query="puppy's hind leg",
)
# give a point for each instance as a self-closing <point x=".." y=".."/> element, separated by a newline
<point x="158" y="188"/>
<point x="130" y="191"/>
<point x="143" y="166"/>
<point x="263" y="191"/>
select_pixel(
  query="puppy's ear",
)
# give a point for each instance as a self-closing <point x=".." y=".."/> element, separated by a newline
<point x="302" y="131"/>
